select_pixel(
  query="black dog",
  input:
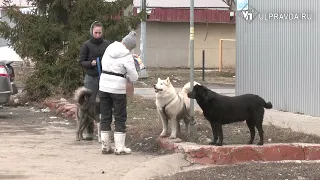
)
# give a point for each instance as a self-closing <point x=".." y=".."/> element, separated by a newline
<point x="220" y="110"/>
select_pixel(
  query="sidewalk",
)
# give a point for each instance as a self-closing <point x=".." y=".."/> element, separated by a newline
<point x="297" y="122"/>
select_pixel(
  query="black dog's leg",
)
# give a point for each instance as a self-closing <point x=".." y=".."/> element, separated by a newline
<point x="214" y="133"/>
<point x="259" y="120"/>
<point x="220" y="134"/>
<point x="250" y="123"/>
<point x="260" y="130"/>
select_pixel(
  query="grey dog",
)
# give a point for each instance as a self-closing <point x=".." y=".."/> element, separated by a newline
<point x="87" y="111"/>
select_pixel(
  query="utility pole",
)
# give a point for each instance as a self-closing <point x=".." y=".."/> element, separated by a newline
<point x="191" y="56"/>
<point x="143" y="41"/>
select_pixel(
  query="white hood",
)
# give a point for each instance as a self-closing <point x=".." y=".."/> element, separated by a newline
<point x="118" y="59"/>
<point x="117" y="50"/>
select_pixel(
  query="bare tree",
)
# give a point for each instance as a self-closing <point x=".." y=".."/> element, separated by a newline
<point x="231" y="4"/>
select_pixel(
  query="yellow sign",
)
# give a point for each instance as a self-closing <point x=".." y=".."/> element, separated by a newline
<point x="192" y="30"/>
<point x="192" y="36"/>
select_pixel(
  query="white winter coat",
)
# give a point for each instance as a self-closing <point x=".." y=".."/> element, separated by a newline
<point x="118" y="59"/>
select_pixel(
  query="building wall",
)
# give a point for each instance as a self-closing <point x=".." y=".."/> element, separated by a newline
<point x="168" y="44"/>
<point x="211" y="44"/>
<point x="279" y="59"/>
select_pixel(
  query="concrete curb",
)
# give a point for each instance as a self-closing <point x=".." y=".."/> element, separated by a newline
<point x="228" y="154"/>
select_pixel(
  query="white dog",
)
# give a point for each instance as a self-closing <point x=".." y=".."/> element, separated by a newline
<point x="174" y="106"/>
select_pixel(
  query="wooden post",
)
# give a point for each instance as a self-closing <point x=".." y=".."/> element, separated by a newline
<point x="203" y="64"/>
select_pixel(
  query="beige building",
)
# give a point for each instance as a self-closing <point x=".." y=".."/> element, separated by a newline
<point x="168" y="34"/>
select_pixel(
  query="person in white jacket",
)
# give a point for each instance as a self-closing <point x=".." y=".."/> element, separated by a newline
<point x="117" y="69"/>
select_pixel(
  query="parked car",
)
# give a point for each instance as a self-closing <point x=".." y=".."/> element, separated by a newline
<point x="12" y="76"/>
<point x="5" y="84"/>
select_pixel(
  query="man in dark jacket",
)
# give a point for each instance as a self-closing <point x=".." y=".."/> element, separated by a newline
<point x="89" y="52"/>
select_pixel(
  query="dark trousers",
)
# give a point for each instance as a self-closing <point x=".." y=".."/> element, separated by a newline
<point x="91" y="83"/>
<point x="119" y="103"/>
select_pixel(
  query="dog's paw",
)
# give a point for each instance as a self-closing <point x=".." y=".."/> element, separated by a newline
<point x="218" y="144"/>
<point x="172" y="137"/>
<point x="163" y="134"/>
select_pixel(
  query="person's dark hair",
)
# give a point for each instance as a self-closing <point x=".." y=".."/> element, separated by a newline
<point x="95" y="24"/>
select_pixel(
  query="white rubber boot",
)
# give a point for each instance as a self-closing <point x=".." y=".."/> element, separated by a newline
<point x="119" y="143"/>
<point x="106" y="142"/>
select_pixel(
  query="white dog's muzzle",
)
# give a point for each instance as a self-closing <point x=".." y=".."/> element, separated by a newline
<point x="156" y="89"/>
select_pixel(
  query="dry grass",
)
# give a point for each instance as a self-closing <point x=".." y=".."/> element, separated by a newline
<point x="144" y="127"/>
<point x="179" y="77"/>
<point x="238" y="133"/>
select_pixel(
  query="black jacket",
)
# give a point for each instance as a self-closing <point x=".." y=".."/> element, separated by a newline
<point x="91" y="50"/>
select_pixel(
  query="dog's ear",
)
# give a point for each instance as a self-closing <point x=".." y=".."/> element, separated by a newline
<point x="203" y="91"/>
<point x="197" y="88"/>
<point x="167" y="80"/>
<point x="159" y="79"/>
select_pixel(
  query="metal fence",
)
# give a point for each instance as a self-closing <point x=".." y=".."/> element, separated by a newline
<point x="278" y="54"/>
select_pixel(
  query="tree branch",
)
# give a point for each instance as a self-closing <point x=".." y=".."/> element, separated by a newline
<point x="231" y="4"/>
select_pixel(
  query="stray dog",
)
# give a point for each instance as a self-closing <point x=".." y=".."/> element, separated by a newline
<point x="174" y="106"/>
<point x="87" y="111"/>
<point x="220" y="110"/>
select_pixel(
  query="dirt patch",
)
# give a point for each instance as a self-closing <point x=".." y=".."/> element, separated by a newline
<point x="265" y="171"/>
<point x="34" y="122"/>
<point x="180" y="77"/>
<point x="238" y="133"/>
<point x="144" y="126"/>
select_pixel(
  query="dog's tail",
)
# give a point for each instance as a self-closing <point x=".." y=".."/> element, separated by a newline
<point x="186" y="88"/>
<point x="267" y="105"/>
<point x="82" y="94"/>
